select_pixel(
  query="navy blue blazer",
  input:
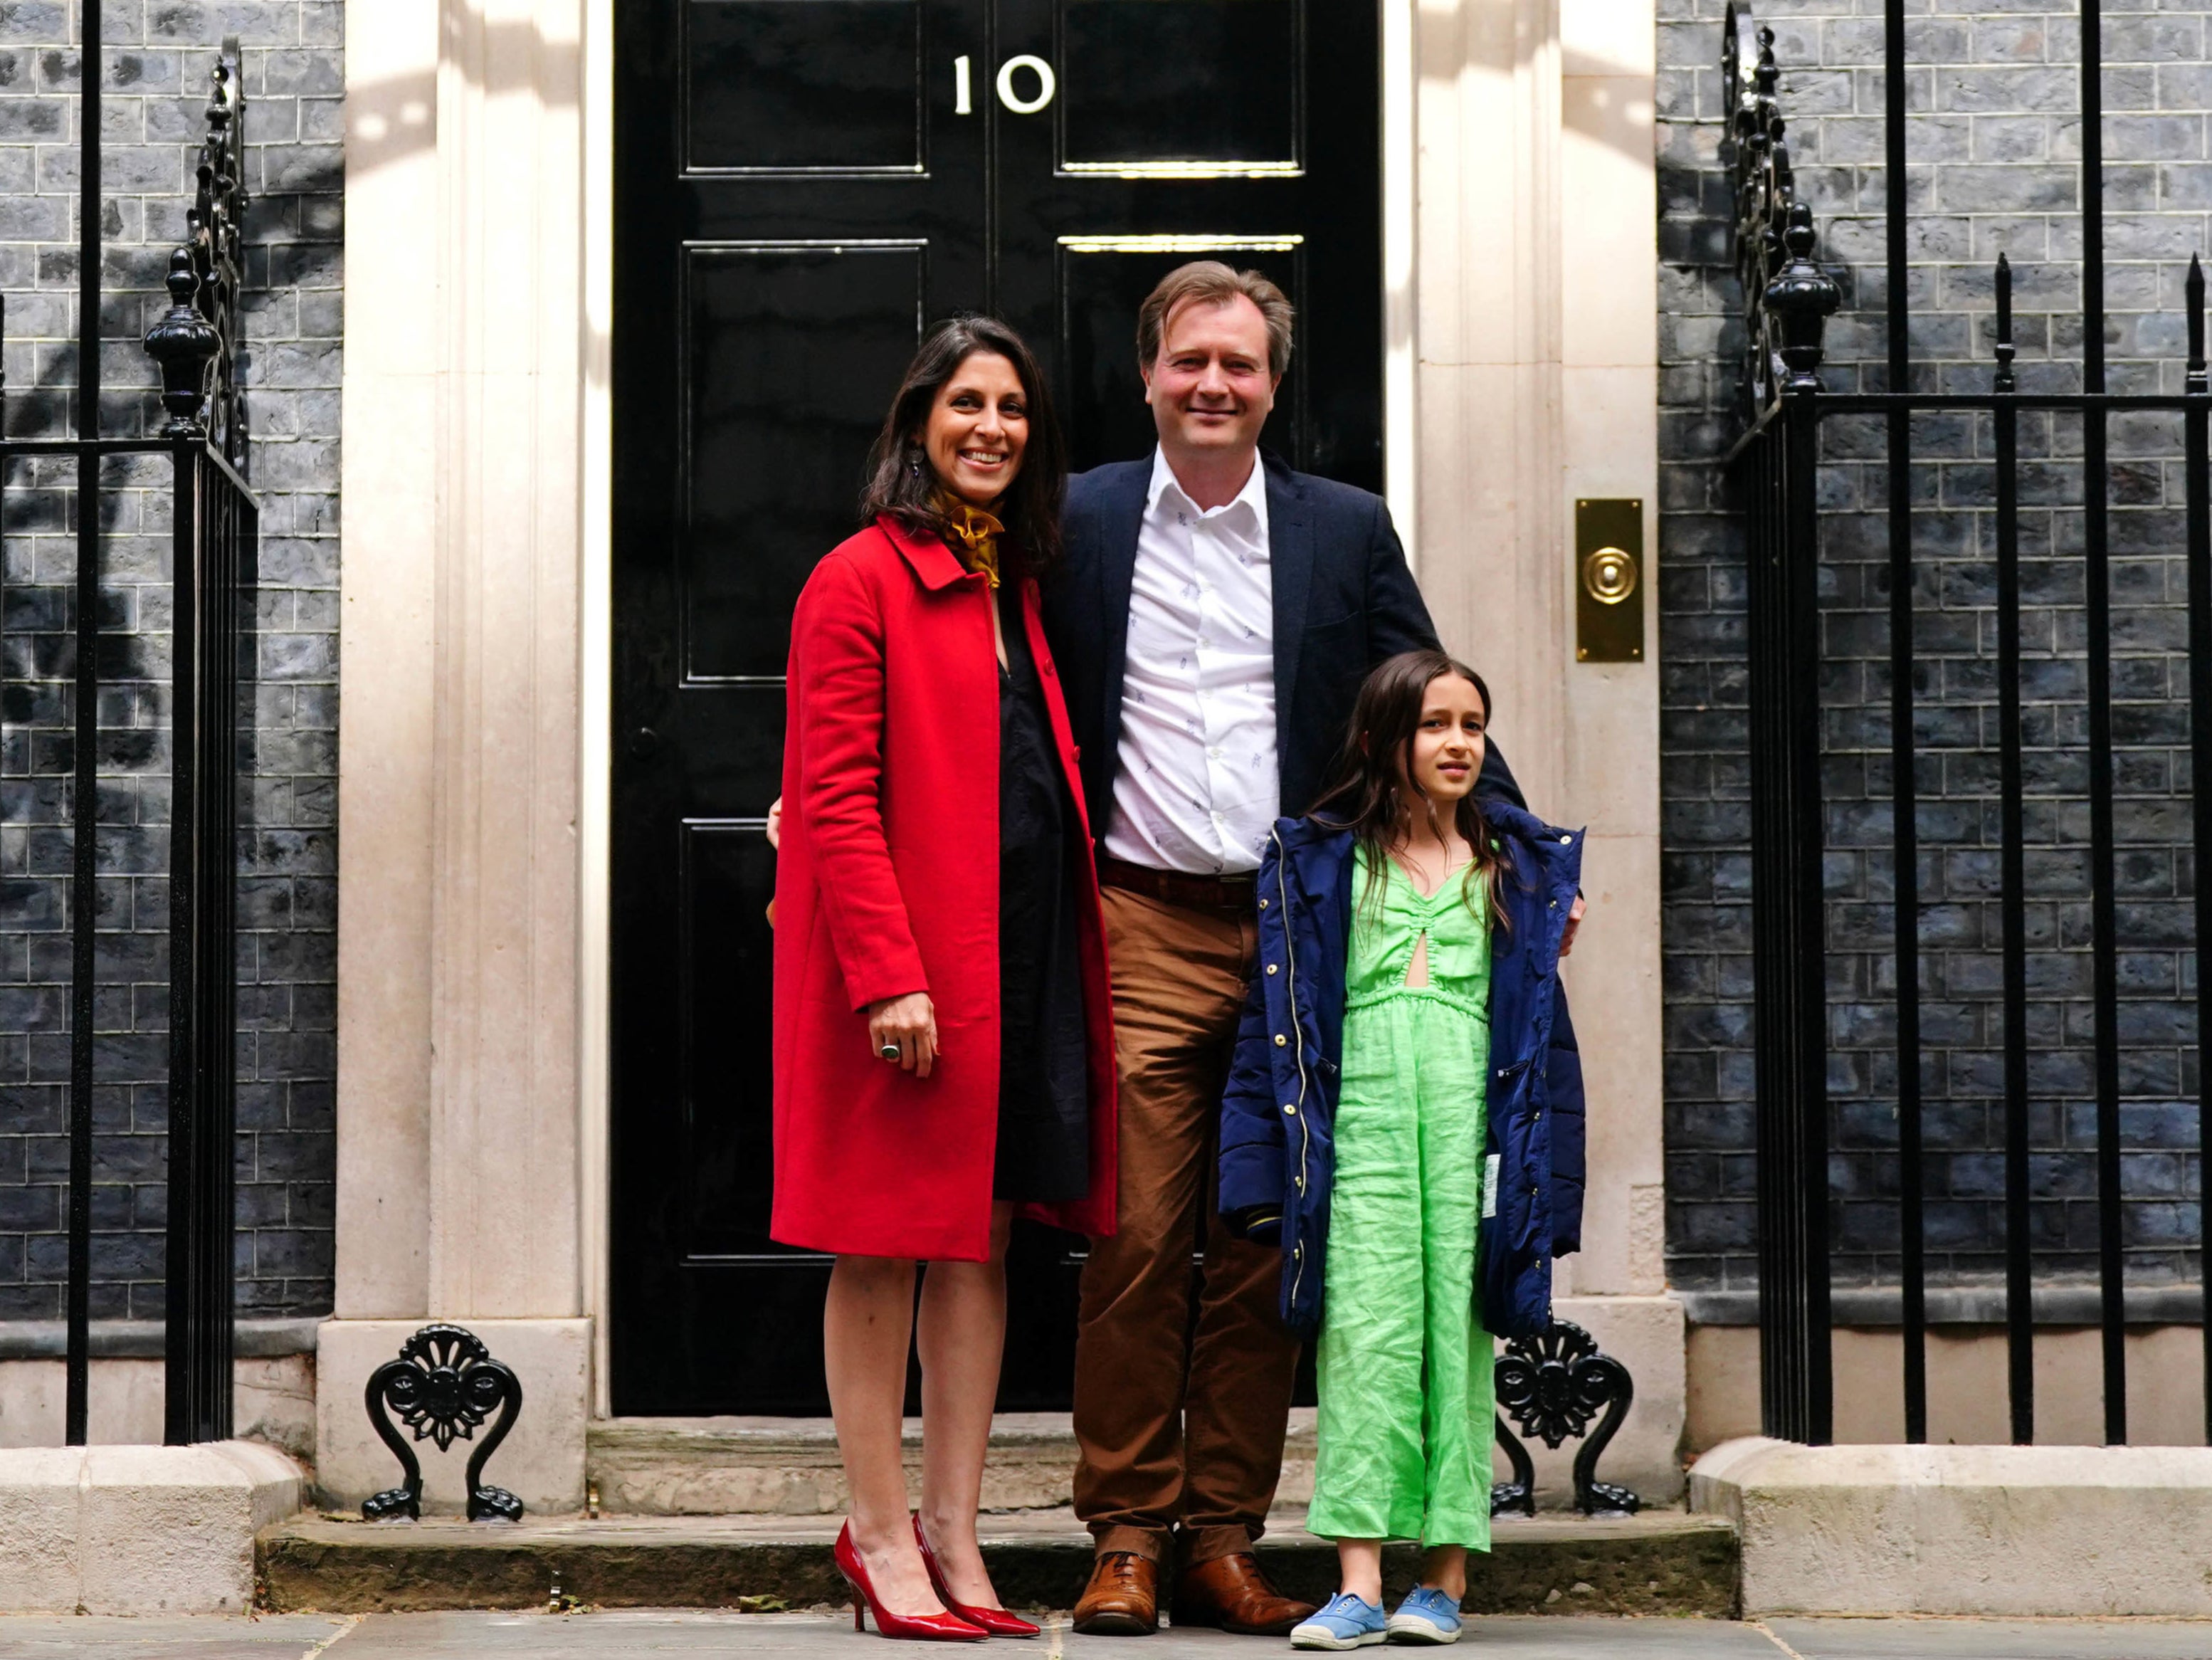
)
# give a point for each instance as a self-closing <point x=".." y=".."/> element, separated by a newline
<point x="1344" y="601"/>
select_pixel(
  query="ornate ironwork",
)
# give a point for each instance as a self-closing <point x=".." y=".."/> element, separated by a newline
<point x="444" y="1386"/>
<point x="1787" y="296"/>
<point x="200" y="331"/>
<point x="1552" y="1386"/>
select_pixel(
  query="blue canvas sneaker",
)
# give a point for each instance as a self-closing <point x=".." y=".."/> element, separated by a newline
<point x="1347" y="1622"/>
<point x="1426" y="1615"/>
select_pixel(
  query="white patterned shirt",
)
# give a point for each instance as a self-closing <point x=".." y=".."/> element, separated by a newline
<point x="1195" y="781"/>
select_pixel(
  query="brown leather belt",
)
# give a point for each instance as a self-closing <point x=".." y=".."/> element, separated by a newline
<point x="1232" y="893"/>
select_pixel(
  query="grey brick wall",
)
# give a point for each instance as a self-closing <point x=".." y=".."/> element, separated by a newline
<point x="156" y="73"/>
<point x="1995" y="139"/>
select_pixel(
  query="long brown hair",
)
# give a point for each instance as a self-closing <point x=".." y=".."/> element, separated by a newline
<point x="1371" y="790"/>
<point x="902" y="483"/>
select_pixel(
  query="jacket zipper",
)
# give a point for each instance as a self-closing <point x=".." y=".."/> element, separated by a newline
<point x="1290" y="989"/>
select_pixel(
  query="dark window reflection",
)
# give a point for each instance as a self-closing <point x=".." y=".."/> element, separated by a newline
<point x="1153" y="81"/>
<point x="792" y="356"/>
<point x="803" y="83"/>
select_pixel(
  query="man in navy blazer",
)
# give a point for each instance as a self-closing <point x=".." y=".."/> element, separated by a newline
<point x="1216" y="616"/>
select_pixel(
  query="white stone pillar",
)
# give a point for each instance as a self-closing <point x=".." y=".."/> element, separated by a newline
<point x="1537" y="375"/>
<point x="459" y="1116"/>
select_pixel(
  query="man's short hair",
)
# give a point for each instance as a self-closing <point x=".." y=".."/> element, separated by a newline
<point x="1211" y="282"/>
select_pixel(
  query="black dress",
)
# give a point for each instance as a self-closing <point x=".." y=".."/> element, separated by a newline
<point x="1044" y="1088"/>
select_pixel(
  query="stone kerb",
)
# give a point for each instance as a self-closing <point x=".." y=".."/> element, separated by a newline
<point x="118" y="1529"/>
<point x="1991" y="1530"/>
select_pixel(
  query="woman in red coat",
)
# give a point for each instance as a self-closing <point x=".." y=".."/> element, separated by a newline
<point x="943" y="1048"/>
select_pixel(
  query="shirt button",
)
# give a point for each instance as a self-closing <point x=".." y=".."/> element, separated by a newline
<point x="1291" y="1109"/>
<point x="1271" y="967"/>
<point x="1280" y="1040"/>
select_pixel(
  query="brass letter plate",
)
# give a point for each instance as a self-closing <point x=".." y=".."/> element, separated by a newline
<point x="1609" y="581"/>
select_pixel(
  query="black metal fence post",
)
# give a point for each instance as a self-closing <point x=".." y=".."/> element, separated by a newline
<point x="202" y="949"/>
<point x="214" y="511"/>
<point x="2020" y="1313"/>
<point x="84" y="801"/>
<point x="2196" y="494"/>
<point x="1903" y="798"/>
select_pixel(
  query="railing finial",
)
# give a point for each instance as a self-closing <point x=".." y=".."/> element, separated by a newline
<point x="2193" y="293"/>
<point x="1802" y="296"/>
<point x="2006" y="381"/>
<point x="204" y="280"/>
<point x="184" y="344"/>
<point x="1787" y="296"/>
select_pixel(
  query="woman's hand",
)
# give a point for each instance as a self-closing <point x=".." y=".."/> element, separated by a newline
<point x="1574" y="921"/>
<point x="775" y="823"/>
<point x="909" y="1023"/>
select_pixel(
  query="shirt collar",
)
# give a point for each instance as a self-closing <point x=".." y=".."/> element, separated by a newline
<point x="1253" y="498"/>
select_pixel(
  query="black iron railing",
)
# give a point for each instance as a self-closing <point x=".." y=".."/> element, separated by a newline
<point x="1776" y="473"/>
<point x="214" y="531"/>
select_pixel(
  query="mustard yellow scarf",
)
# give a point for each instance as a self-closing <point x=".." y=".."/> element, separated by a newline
<point x="978" y="533"/>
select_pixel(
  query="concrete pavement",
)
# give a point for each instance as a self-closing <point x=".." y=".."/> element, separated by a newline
<point x="638" y="1635"/>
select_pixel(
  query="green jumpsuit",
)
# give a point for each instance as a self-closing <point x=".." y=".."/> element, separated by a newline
<point x="1406" y="1424"/>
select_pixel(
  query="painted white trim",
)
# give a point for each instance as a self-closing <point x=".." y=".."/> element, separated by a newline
<point x="1401" y="437"/>
<point x="595" y="758"/>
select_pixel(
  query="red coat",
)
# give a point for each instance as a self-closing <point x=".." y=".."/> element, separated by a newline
<point x="888" y="883"/>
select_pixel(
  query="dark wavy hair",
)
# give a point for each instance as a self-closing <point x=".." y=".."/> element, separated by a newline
<point x="903" y="485"/>
<point x="1371" y="790"/>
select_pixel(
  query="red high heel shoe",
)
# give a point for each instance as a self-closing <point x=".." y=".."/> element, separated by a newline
<point x="926" y="1627"/>
<point x="997" y="1622"/>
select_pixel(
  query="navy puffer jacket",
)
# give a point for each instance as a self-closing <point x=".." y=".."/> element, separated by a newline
<point x="1278" y="1154"/>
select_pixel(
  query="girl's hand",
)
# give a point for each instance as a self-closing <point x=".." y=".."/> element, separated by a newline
<point x="775" y="823"/>
<point x="908" y="1024"/>
<point x="1574" y="921"/>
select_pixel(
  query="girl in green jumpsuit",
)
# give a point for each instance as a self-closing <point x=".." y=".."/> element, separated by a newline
<point x="1404" y="1363"/>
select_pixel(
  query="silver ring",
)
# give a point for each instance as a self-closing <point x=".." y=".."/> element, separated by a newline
<point x="889" y="1051"/>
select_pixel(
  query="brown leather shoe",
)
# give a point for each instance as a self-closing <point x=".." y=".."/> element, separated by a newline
<point x="1122" y="1599"/>
<point x="1231" y="1592"/>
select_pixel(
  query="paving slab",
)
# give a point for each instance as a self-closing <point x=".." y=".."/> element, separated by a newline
<point x="1995" y="1639"/>
<point x="651" y="1634"/>
<point x="203" y="1637"/>
<point x="636" y="1635"/>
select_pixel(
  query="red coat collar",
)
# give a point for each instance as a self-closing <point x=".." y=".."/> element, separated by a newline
<point x="934" y="564"/>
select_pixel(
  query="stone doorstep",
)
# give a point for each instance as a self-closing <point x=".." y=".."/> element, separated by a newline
<point x="1995" y="1531"/>
<point x="790" y="1467"/>
<point x="1659" y="1563"/>
<point x="136" y="1530"/>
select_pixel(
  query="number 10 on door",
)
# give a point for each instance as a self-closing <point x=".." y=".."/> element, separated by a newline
<point x="963" y="100"/>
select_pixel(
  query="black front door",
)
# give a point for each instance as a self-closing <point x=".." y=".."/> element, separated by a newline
<point x="801" y="186"/>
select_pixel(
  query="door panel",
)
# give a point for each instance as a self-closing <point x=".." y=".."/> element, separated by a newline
<point x="803" y="85"/>
<point x="799" y="192"/>
<point x="787" y="349"/>
<point x="1149" y="82"/>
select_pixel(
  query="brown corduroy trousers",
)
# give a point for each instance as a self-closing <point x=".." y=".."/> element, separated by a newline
<point x="1183" y="1368"/>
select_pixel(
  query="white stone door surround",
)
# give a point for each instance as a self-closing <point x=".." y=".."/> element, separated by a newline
<point x="473" y="1093"/>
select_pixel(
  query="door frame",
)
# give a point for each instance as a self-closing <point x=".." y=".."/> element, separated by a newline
<point x="595" y="755"/>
